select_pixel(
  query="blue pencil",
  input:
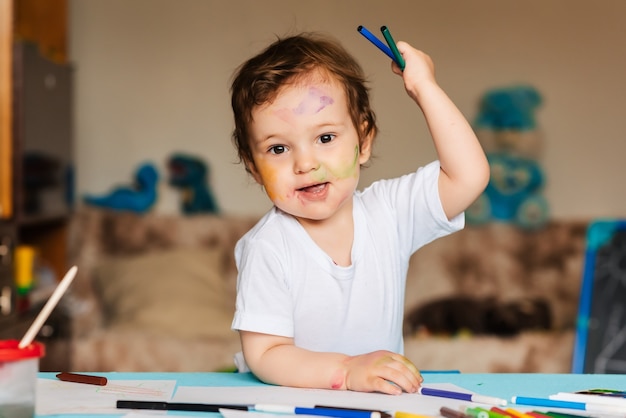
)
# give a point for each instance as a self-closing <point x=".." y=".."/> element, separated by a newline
<point x="377" y="42"/>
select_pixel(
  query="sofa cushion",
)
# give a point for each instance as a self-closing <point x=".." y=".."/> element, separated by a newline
<point x="177" y="292"/>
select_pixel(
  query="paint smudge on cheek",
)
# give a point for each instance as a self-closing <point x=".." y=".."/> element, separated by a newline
<point x="349" y="170"/>
<point x="321" y="174"/>
<point x="355" y="162"/>
<point x="269" y="177"/>
<point x="313" y="103"/>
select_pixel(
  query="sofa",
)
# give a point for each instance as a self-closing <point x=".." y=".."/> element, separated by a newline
<point x="156" y="292"/>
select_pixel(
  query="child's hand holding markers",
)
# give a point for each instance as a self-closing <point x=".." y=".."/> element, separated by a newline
<point x="382" y="371"/>
<point x="419" y="70"/>
<point x="415" y="67"/>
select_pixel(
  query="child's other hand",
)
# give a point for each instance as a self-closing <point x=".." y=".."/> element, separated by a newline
<point x="382" y="371"/>
<point x="419" y="69"/>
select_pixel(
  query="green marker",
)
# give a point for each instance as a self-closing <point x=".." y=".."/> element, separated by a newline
<point x="392" y="45"/>
<point x="477" y="412"/>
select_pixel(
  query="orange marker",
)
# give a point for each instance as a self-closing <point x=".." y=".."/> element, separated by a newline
<point x="517" y="413"/>
<point x="536" y="414"/>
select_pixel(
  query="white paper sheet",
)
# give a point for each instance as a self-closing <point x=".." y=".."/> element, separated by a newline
<point x="413" y="403"/>
<point x="58" y="397"/>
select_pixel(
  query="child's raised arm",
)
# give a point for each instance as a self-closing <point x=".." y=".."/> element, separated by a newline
<point x="464" y="168"/>
<point x="277" y="360"/>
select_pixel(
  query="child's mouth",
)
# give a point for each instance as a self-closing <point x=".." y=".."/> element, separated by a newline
<point x="314" y="189"/>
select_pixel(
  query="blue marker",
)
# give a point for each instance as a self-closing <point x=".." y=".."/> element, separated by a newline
<point x="552" y="403"/>
<point x="462" y="396"/>
<point x="326" y="412"/>
<point x="377" y="42"/>
<point x="440" y="371"/>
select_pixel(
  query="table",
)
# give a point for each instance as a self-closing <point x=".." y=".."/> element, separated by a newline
<point x="498" y="385"/>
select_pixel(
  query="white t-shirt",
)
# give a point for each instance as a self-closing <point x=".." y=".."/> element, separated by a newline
<point x="288" y="286"/>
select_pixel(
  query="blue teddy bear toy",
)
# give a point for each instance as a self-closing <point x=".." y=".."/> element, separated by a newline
<point x="514" y="192"/>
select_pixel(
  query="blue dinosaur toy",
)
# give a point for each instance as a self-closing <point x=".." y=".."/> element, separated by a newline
<point x="190" y="174"/>
<point x="138" y="198"/>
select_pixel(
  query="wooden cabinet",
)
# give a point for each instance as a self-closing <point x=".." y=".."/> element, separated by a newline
<point x="43" y="22"/>
<point x="6" y="98"/>
<point x="7" y="228"/>
<point x="42" y="145"/>
<point x="36" y="163"/>
<point x="8" y="314"/>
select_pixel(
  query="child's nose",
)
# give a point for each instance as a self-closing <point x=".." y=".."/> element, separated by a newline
<point x="305" y="162"/>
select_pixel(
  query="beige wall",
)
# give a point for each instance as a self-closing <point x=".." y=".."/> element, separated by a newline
<point x="152" y="78"/>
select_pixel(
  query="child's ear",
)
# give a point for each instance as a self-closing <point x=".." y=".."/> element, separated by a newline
<point x="365" y="149"/>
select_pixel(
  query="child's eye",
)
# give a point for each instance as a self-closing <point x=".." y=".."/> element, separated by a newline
<point x="326" y="138"/>
<point x="277" y="149"/>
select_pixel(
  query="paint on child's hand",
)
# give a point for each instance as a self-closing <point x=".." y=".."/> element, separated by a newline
<point x="313" y="103"/>
<point x="337" y="380"/>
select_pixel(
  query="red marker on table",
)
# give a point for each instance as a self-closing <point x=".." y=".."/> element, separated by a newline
<point x="82" y="378"/>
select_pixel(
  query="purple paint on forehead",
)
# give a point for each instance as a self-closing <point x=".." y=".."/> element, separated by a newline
<point x="315" y="101"/>
<point x="325" y="101"/>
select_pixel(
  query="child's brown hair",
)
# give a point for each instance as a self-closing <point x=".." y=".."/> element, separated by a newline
<point x="288" y="60"/>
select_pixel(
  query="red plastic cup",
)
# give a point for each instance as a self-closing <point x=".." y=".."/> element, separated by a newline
<point x="18" y="378"/>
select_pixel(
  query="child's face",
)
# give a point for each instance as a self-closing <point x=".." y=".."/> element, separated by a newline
<point x="306" y="149"/>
